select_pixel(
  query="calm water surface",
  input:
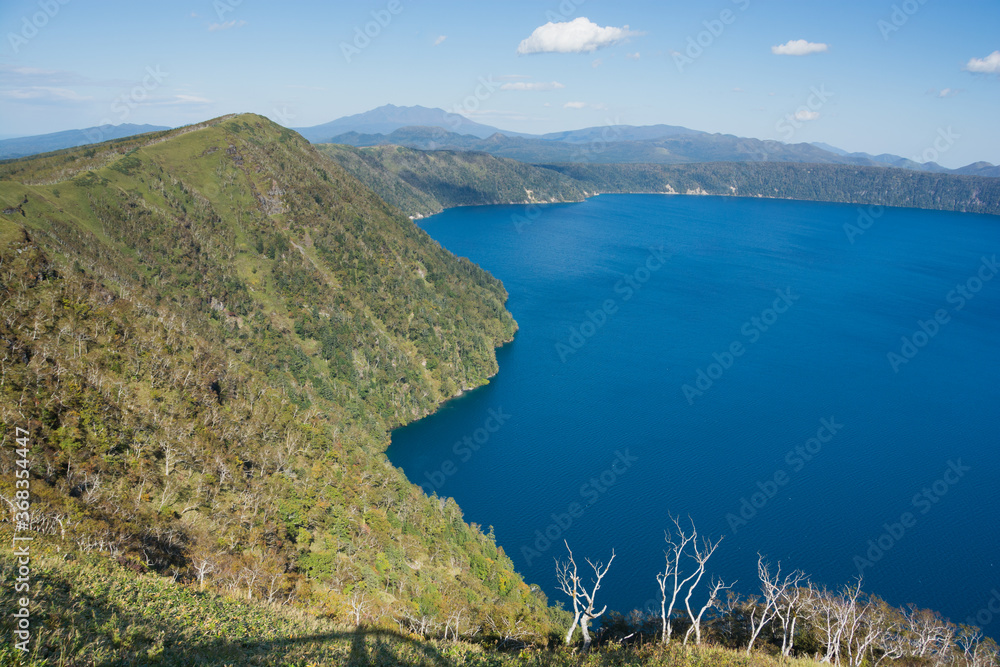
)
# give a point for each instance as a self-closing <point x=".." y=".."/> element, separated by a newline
<point x="727" y="359"/>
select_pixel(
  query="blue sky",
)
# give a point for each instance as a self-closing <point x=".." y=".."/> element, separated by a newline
<point x="913" y="77"/>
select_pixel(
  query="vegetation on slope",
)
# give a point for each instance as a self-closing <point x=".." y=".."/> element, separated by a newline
<point x="878" y="186"/>
<point x="208" y="334"/>
<point x="417" y="182"/>
<point x="89" y="610"/>
<point x="423" y="183"/>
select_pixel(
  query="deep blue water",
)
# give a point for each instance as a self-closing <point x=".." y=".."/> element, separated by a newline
<point x="602" y="420"/>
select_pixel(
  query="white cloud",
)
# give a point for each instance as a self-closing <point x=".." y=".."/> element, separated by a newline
<point x="798" y="47"/>
<point x="34" y="77"/>
<point x="226" y="26"/>
<point x="633" y="56"/>
<point x="581" y="35"/>
<point x="513" y="77"/>
<point x="738" y="90"/>
<point x="44" y="94"/>
<point x="988" y="65"/>
<point x="805" y="114"/>
<point x="575" y="105"/>
<point x="189" y="99"/>
<point x="597" y="63"/>
<point x="440" y="39"/>
<point x="947" y="92"/>
<point x="522" y="85"/>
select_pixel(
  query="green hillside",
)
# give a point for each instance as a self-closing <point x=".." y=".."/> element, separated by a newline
<point x="879" y="186"/>
<point x="422" y="183"/>
<point x="97" y="613"/>
<point x="208" y="334"/>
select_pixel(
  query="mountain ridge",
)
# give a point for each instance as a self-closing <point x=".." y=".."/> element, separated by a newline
<point x="44" y="143"/>
<point x="609" y="145"/>
<point x="427" y="128"/>
<point x="218" y="327"/>
<point x="423" y="182"/>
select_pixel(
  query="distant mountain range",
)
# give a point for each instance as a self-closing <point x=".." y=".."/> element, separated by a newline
<point x="390" y="118"/>
<point x="435" y="129"/>
<point x="43" y="143"/>
<point x="421" y="183"/>
<point x="424" y="128"/>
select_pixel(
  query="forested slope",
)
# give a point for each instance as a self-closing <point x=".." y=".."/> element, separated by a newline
<point x="208" y="334"/>
<point x="425" y="182"/>
<point x="422" y="182"/>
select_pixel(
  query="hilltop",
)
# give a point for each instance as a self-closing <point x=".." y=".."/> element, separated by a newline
<point x="209" y="333"/>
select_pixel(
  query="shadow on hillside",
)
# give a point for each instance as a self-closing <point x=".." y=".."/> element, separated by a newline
<point x="368" y="647"/>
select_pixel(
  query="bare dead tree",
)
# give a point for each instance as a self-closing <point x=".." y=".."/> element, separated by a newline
<point x="453" y="624"/>
<point x="876" y="625"/>
<point x="204" y="564"/>
<point x="717" y="586"/>
<point x="584" y="607"/>
<point x="673" y="574"/>
<point x="931" y="635"/>
<point x="788" y="607"/>
<point x="977" y="650"/>
<point x="773" y="588"/>
<point x="358" y="604"/>
<point x="673" y="554"/>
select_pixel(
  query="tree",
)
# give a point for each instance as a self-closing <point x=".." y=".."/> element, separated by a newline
<point x="675" y="553"/>
<point x="774" y="590"/>
<point x="204" y="563"/>
<point x="788" y="607"/>
<point x="584" y="608"/>
<point x="717" y="586"/>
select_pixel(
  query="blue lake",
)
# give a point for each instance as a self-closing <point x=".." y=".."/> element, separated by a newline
<point x="729" y="359"/>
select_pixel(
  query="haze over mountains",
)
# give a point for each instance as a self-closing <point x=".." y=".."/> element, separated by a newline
<point x="424" y="128"/>
<point x="43" y="143"/>
<point x="436" y="129"/>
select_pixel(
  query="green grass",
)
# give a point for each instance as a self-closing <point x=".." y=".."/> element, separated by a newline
<point x="91" y="611"/>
